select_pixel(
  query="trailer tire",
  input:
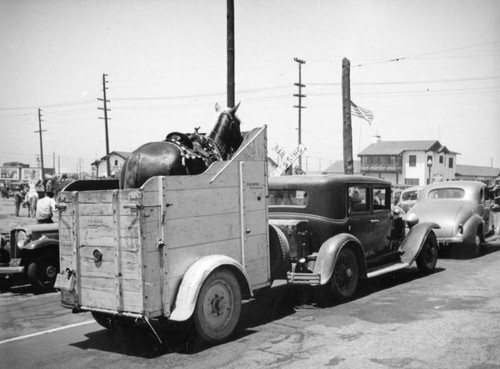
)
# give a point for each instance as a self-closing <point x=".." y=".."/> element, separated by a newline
<point x="42" y="272"/>
<point x="218" y="307"/>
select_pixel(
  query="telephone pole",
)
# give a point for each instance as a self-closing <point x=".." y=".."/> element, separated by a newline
<point x="300" y="107"/>
<point x="230" y="54"/>
<point x="346" y="106"/>
<point x="40" y="130"/>
<point x="105" y="108"/>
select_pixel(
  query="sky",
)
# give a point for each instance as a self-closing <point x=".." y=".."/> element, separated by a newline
<point x="427" y="69"/>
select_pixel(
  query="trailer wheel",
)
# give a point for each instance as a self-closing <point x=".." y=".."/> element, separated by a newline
<point x="427" y="259"/>
<point x="218" y="307"/>
<point x="42" y="272"/>
<point x="345" y="275"/>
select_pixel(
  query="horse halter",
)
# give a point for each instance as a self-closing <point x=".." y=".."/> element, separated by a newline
<point x="219" y="142"/>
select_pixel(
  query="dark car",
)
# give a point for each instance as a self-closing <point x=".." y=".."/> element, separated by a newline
<point x="338" y="229"/>
<point x="32" y="254"/>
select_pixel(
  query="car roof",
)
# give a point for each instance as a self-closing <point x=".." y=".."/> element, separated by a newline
<point x="331" y="179"/>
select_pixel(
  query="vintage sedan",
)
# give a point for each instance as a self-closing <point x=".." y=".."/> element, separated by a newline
<point x="460" y="209"/>
<point x="336" y="230"/>
<point x="409" y="198"/>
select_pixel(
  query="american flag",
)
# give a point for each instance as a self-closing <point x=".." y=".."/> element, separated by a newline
<point x="361" y="113"/>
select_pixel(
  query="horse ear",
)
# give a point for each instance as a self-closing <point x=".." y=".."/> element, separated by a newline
<point x="233" y="110"/>
<point x="217" y="107"/>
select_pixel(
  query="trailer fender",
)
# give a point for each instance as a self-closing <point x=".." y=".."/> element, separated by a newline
<point x="328" y="252"/>
<point x="414" y="241"/>
<point x="192" y="281"/>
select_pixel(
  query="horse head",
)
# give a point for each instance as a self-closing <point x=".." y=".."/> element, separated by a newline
<point x="226" y="133"/>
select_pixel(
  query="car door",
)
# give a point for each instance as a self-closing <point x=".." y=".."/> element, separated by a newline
<point x="380" y="218"/>
<point x="358" y="213"/>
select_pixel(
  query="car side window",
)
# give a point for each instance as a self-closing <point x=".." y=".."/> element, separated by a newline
<point x="358" y="199"/>
<point x="379" y="196"/>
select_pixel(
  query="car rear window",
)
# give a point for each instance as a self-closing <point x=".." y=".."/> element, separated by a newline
<point x="285" y="197"/>
<point x="446" y="193"/>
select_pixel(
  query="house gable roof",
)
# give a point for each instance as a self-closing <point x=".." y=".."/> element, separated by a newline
<point x="476" y="171"/>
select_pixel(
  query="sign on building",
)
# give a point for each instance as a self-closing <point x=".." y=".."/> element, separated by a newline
<point x="11" y="174"/>
<point x="31" y="174"/>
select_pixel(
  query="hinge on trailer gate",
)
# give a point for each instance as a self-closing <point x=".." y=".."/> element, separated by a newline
<point x="160" y="243"/>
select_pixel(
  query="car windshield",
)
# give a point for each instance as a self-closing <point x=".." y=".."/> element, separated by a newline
<point x="410" y="195"/>
<point x="285" y="197"/>
<point x="446" y="193"/>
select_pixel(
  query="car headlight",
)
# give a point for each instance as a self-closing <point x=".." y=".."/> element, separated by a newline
<point x="22" y="238"/>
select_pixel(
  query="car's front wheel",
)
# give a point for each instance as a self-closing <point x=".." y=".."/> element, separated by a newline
<point x="427" y="259"/>
<point x="42" y="272"/>
<point x="345" y="275"/>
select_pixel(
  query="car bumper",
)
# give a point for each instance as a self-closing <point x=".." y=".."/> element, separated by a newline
<point x="11" y="270"/>
<point x="450" y="240"/>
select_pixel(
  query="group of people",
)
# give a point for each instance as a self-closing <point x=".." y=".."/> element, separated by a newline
<point x="42" y="208"/>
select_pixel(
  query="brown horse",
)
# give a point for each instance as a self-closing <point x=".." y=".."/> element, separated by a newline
<point x="172" y="158"/>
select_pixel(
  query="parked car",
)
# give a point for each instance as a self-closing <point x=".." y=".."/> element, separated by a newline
<point x="340" y="229"/>
<point x="409" y="198"/>
<point x="32" y="254"/>
<point x="460" y="209"/>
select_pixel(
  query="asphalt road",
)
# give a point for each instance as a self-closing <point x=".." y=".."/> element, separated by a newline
<point x="450" y="319"/>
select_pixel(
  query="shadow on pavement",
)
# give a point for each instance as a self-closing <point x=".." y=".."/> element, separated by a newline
<point x="270" y="305"/>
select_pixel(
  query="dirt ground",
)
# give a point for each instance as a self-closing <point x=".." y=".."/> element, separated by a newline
<point x="8" y="220"/>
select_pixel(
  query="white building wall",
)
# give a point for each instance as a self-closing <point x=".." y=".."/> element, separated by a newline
<point x="419" y="170"/>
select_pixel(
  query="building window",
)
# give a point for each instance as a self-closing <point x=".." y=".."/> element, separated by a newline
<point x="116" y="162"/>
<point x="441" y="159"/>
<point x="450" y="162"/>
<point x="412" y="181"/>
<point x="413" y="160"/>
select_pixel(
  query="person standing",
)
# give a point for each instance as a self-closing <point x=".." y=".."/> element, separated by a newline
<point x="45" y="208"/>
<point x="18" y="199"/>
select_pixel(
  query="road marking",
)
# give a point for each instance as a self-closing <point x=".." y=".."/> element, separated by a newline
<point x="46" y="332"/>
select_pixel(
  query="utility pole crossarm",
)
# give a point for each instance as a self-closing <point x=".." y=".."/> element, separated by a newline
<point x="300" y="85"/>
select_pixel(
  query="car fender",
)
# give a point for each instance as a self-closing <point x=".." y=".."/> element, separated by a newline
<point x="193" y="279"/>
<point x="470" y="228"/>
<point x="328" y="252"/>
<point x="414" y="241"/>
<point x="41" y="243"/>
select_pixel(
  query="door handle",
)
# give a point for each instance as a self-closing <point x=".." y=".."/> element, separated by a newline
<point x="374" y="220"/>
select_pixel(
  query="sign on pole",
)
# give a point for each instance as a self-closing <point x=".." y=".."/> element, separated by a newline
<point x="289" y="159"/>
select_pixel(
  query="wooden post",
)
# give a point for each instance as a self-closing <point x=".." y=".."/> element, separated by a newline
<point x="230" y="53"/>
<point x="346" y="107"/>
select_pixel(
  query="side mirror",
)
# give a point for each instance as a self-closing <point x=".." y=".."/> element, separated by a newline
<point x="411" y="219"/>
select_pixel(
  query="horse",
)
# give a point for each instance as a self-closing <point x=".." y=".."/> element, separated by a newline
<point x="31" y="200"/>
<point x="181" y="154"/>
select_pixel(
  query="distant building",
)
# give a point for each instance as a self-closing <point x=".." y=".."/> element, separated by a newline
<point x="488" y="175"/>
<point x="338" y="167"/>
<point x="409" y="162"/>
<point x="116" y="160"/>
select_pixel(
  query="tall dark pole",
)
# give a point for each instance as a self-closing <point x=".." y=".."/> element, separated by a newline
<point x="230" y="54"/>
<point x="300" y="107"/>
<point x="105" y="108"/>
<point x="41" y="141"/>
<point x="346" y="107"/>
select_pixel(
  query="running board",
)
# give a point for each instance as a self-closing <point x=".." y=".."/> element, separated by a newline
<point x="387" y="269"/>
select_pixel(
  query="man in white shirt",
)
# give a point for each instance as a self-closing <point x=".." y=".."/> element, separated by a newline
<point x="45" y="208"/>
